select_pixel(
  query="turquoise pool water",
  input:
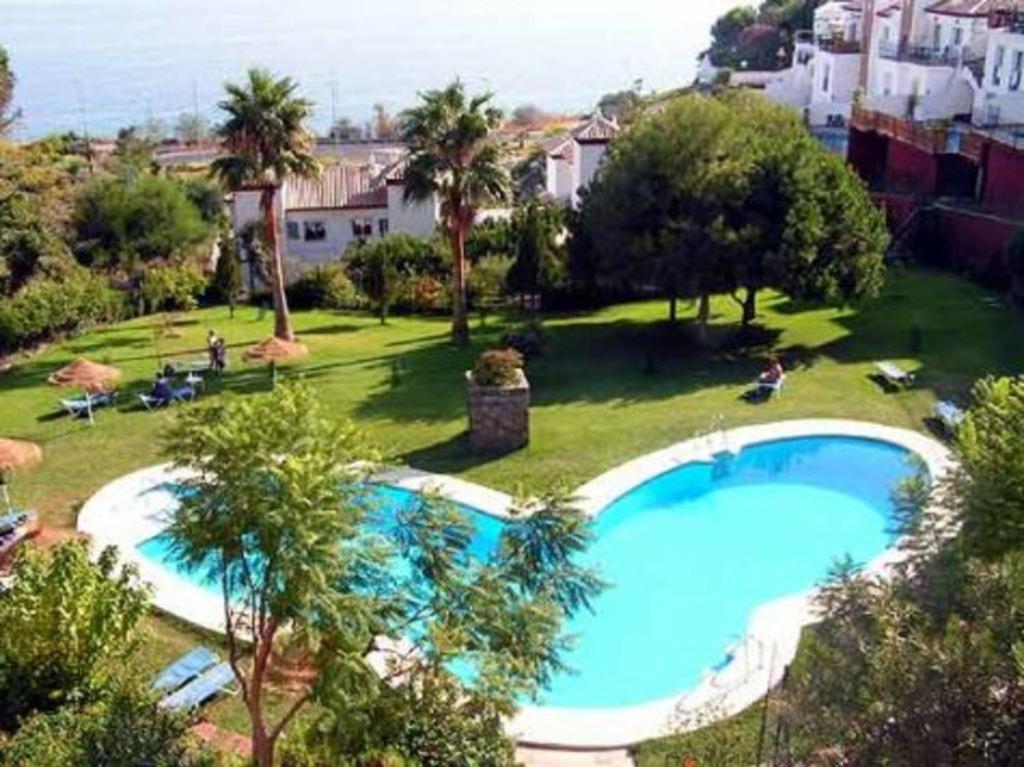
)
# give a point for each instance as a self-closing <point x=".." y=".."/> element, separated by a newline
<point x="690" y="554"/>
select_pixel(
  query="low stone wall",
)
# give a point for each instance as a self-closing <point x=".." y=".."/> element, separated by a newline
<point x="499" y="417"/>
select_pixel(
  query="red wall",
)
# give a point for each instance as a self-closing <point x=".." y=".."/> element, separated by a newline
<point x="975" y="242"/>
<point x="909" y="169"/>
<point x="1004" y="179"/>
<point x="897" y="207"/>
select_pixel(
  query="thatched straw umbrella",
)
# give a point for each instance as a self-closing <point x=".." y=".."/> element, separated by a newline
<point x="16" y="454"/>
<point x="274" y="350"/>
<point x="91" y="377"/>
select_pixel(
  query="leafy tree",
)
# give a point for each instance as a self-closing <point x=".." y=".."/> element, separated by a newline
<point x="208" y="197"/>
<point x="539" y="258"/>
<point x="7" y="83"/>
<point x="623" y="106"/>
<point x="379" y="266"/>
<point x="265" y="141"/>
<point x="67" y="624"/>
<point x="488" y="283"/>
<point x="131" y="226"/>
<point x="989" y="479"/>
<point x="126" y="728"/>
<point x="134" y="154"/>
<point x="658" y="211"/>
<point x="452" y="159"/>
<point x="227" y="277"/>
<point x="280" y="518"/>
<point x="808" y="226"/>
<point x="927" y="667"/>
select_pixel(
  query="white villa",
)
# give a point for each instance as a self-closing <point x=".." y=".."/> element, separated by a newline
<point x="911" y="59"/>
<point x="573" y="160"/>
<point x="348" y="203"/>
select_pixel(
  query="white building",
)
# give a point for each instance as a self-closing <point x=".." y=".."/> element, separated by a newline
<point x="911" y="59"/>
<point x="572" y="161"/>
<point x="1000" y="100"/>
<point x="825" y="71"/>
<point x="320" y="218"/>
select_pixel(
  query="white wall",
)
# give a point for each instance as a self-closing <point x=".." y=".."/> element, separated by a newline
<point x="339" y="235"/>
<point x="417" y="219"/>
<point x="587" y="159"/>
<point x="996" y="100"/>
<point x="559" y="178"/>
<point x="835" y="78"/>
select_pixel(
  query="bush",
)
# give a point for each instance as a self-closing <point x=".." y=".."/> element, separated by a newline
<point x="172" y="288"/>
<point x="47" y="308"/>
<point x="526" y="338"/>
<point x="498" y="367"/>
<point x="323" y="287"/>
<point x="426" y="293"/>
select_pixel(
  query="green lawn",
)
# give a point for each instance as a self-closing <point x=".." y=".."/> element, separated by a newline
<point x="612" y="385"/>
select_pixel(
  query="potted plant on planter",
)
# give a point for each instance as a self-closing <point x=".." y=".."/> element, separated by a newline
<point x="499" y="402"/>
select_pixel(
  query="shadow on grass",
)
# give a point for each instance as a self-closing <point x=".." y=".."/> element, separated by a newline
<point x="452" y="456"/>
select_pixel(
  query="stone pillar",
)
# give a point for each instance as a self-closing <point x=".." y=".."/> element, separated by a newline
<point x="499" y="416"/>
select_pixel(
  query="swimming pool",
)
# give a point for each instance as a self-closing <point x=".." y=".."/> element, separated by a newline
<point x="692" y="552"/>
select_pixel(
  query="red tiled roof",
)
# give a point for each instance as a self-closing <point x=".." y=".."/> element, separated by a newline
<point x="976" y="8"/>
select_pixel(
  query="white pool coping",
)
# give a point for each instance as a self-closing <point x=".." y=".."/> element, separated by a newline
<point x="111" y="518"/>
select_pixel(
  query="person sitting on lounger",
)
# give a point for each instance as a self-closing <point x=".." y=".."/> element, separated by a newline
<point x="772" y="374"/>
<point x="220" y="356"/>
<point x="162" y="391"/>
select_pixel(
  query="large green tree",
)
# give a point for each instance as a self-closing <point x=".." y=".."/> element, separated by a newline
<point x="67" y="626"/>
<point x="659" y="211"/>
<point x="281" y="520"/>
<point x="265" y="140"/>
<point x="453" y="160"/>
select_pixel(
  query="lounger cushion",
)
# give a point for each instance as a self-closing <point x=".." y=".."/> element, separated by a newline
<point x="184" y="669"/>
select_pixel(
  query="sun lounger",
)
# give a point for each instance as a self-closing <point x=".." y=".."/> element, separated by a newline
<point x="14" y="520"/>
<point x="181" y="394"/>
<point x="201" y="689"/>
<point x="179" y="367"/>
<point x="10" y="540"/>
<point x="771" y="388"/>
<point x="184" y="670"/>
<point x="894" y="374"/>
<point x="80" y="406"/>
<point x="949" y="415"/>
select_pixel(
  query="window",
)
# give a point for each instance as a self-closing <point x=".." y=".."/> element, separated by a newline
<point x="997" y="66"/>
<point x="314" y="231"/>
<point x="362" y="228"/>
<point x="958" y="37"/>
<point x="293" y="230"/>
<point x="937" y="38"/>
<point x="382" y="227"/>
<point x="826" y="79"/>
<point x="1016" y="70"/>
<point x="887" y="88"/>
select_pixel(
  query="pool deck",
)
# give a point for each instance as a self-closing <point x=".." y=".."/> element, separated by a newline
<point x="125" y="513"/>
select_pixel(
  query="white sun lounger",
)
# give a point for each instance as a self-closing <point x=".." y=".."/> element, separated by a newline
<point x="894" y="374"/>
<point x="772" y="387"/>
<point x="201" y="689"/>
<point x="184" y="670"/>
<point x="949" y="415"/>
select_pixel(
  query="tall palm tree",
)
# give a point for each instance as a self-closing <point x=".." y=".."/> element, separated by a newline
<point x="451" y="159"/>
<point x="265" y="141"/>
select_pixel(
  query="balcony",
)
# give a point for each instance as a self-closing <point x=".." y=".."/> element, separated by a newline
<point x="921" y="54"/>
<point x="838" y="45"/>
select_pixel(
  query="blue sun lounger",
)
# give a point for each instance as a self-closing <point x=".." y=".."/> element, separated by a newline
<point x="194" y="694"/>
<point x="184" y="670"/>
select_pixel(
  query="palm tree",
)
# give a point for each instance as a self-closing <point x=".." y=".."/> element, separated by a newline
<point x="265" y="141"/>
<point x="452" y="160"/>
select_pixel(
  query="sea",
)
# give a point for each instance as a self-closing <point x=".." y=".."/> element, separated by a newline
<point x="94" y="66"/>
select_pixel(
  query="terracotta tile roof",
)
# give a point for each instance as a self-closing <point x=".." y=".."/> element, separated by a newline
<point x="597" y="128"/>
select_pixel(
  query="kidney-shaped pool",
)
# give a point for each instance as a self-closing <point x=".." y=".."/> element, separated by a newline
<point x="689" y="554"/>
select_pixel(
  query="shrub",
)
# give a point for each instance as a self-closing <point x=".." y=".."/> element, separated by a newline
<point x="323" y="287"/>
<point x="47" y="308"/>
<point x="427" y="294"/>
<point x="498" y="367"/>
<point x="172" y="288"/>
<point x="527" y="338"/>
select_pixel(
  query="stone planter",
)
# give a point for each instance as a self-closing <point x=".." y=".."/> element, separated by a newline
<point x="499" y="416"/>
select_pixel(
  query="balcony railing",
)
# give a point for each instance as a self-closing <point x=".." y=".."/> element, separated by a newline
<point x="940" y="137"/>
<point x="921" y="54"/>
<point x="839" y="45"/>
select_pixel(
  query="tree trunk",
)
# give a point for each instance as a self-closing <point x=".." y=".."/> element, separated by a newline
<point x="460" y="320"/>
<point x="749" y="307"/>
<point x="703" y="314"/>
<point x="282" y="319"/>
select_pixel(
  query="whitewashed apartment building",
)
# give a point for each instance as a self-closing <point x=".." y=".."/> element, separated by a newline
<point x="919" y="60"/>
<point x="572" y="160"/>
